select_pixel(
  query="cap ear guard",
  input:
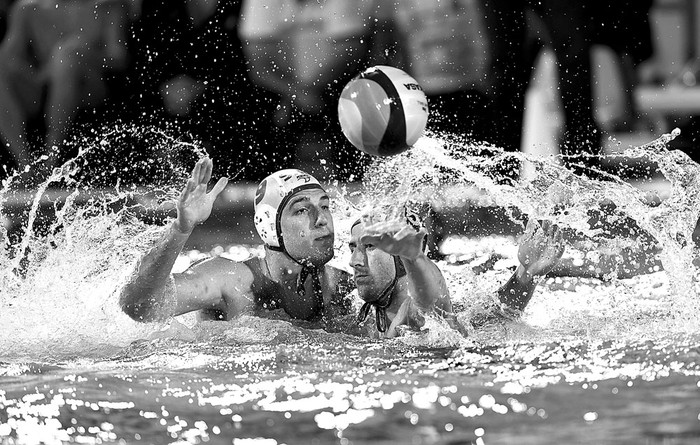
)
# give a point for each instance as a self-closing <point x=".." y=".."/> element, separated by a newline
<point x="265" y="224"/>
<point x="270" y="198"/>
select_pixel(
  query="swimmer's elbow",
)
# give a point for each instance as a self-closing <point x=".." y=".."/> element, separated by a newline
<point x="138" y="312"/>
<point x="141" y="310"/>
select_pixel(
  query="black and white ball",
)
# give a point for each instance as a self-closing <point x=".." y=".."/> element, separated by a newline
<point x="383" y="111"/>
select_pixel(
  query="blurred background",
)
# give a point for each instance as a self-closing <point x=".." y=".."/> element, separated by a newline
<point x="256" y="82"/>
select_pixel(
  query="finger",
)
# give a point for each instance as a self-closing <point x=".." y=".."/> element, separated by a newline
<point x="392" y="225"/>
<point x="546" y="226"/>
<point x="555" y="230"/>
<point x="196" y="170"/>
<point x="186" y="190"/>
<point x="529" y="231"/>
<point x="207" y="167"/>
<point x="218" y="187"/>
<point x="183" y="193"/>
<point x="377" y="238"/>
<point x="382" y="228"/>
<point x="202" y="170"/>
<point x="558" y="236"/>
<point x="560" y="251"/>
<point x="191" y="185"/>
<point x="532" y="226"/>
<point x="409" y="232"/>
<point x="405" y="232"/>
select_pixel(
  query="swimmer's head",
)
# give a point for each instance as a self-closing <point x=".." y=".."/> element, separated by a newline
<point x="292" y="215"/>
<point x="374" y="270"/>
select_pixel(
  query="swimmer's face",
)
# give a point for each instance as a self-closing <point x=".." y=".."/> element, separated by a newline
<point x="374" y="269"/>
<point x="307" y="227"/>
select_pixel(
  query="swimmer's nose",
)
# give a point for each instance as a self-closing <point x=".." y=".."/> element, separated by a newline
<point x="321" y="218"/>
<point x="357" y="259"/>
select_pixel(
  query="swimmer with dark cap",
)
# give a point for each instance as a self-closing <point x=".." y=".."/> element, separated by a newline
<point x="395" y="278"/>
<point x="293" y="218"/>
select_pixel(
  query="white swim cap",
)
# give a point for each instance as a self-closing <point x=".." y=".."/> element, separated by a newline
<point x="271" y="197"/>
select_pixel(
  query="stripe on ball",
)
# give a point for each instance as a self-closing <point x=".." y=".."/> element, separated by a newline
<point x="383" y="111"/>
<point x="394" y="139"/>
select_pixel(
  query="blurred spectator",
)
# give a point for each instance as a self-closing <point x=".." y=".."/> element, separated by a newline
<point x="305" y="52"/>
<point x="572" y="29"/>
<point x="571" y="33"/>
<point x="467" y="56"/>
<point x="189" y="70"/>
<point x="623" y="26"/>
<point x="55" y="58"/>
<point x="4" y="12"/>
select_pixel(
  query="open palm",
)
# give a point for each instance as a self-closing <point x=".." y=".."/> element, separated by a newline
<point x="395" y="238"/>
<point x="541" y="247"/>
<point x="194" y="204"/>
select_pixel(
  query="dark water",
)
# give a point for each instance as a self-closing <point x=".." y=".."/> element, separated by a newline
<point x="313" y="387"/>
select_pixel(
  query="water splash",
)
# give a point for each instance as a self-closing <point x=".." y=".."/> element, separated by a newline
<point x="613" y="229"/>
<point x="60" y="273"/>
<point x="80" y="234"/>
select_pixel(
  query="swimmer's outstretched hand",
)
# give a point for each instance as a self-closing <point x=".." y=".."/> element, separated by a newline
<point x="395" y="238"/>
<point x="194" y="204"/>
<point x="541" y="247"/>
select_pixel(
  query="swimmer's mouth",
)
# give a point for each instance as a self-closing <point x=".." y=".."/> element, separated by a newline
<point x="324" y="238"/>
<point x="361" y="277"/>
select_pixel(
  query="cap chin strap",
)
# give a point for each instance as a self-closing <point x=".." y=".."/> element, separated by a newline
<point x="384" y="300"/>
<point x="307" y="269"/>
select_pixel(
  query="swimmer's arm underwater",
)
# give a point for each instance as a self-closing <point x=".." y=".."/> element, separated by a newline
<point x="541" y="248"/>
<point x="143" y="298"/>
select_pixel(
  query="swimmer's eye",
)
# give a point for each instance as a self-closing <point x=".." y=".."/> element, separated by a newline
<point x="301" y="210"/>
<point x="325" y="207"/>
<point x="369" y="246"/>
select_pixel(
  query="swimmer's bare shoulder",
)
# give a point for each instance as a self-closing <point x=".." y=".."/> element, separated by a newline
<point x="215" y="284"/>
<point x="225" y="287"/>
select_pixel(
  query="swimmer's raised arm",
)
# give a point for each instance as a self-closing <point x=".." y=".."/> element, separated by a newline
<point x="143" y="297"/>
<point x="541" y="248"/>
<point x="427" y="285"/>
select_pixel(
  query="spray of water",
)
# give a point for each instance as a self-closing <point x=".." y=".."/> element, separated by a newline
<point x="614" y="230"/>
<point x="60" y="274"/>
<point x="61" y="268"/>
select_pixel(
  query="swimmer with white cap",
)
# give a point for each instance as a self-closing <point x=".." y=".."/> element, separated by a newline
<point x="292" y="217"/>
<point x="396" y="279"/>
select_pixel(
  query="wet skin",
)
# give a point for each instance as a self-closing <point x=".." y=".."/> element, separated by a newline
<point x="307" y="227"/>
<point x="373" y="268"/>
